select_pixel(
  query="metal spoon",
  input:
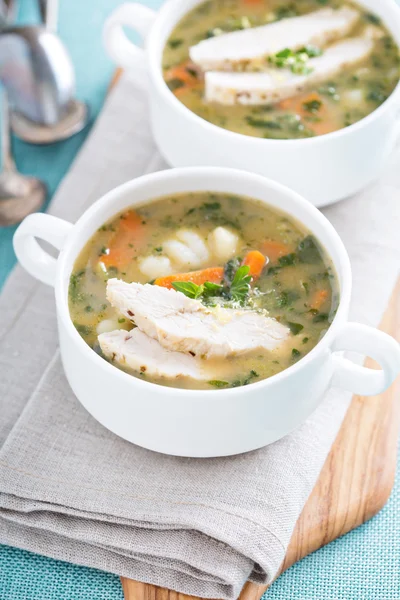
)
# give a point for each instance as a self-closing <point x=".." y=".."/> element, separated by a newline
<point x="19" y="194"/>
<point x="41" y="82"/>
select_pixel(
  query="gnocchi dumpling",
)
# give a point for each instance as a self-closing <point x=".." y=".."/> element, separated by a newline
<point x="181" y="254"/>
<point x="223" y="243"/>
<point x="155" y="266"/>
<point x="195" y="242"/>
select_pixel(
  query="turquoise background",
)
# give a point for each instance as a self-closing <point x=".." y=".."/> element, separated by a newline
<point x="363" y="565"/>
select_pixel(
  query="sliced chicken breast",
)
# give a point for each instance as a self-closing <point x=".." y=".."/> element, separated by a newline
<point x="228" y="50"/>
<point x="184" y="325"/>
<point x="277" y="84"/>
<point x="135" y="350"/>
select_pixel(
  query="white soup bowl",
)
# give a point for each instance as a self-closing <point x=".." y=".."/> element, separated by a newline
<point x="193" y="422"/>
<point x="324" y="169"/>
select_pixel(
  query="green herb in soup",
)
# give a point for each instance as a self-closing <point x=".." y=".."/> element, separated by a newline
<point x="331" y="72"/>
<point x="239" y="291"/>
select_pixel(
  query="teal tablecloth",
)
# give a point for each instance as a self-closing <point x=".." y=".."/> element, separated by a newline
<point x="363" y="565"/>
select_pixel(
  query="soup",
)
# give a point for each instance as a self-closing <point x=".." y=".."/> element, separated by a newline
<point x="323" y="66"/>
<point x="239" y="291"/>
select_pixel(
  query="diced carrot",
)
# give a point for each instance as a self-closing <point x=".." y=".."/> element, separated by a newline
<point x="256" y="261"/>
<point x="273" y="249"/>
<point x="184" y="73"/>
<point x="212" y="274"/>
<point x="319" y="298"/>
<point x="298" y="105"/>
<point x="127" y="240"/>
<point x="130" y="222"/>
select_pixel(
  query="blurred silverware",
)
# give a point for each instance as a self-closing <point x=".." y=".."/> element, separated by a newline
<point x="36" y="70"/>
<point x="49" y="14"/>
<point x="19" y="194"/>
<point x="8" y="9"/>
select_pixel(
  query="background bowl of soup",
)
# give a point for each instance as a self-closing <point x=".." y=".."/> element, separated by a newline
<point x="217" y="419"/>
<point x="339" y="131"/>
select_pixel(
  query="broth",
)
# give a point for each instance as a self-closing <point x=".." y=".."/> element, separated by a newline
<point x="297" y="286"/>
<point x="327" y="106"/>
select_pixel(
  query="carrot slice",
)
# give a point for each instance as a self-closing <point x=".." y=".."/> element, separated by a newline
<point x="273" y="249"/>
<point x="212" y="274"/>
<point x="319" y="298"/>
<point x="130" y="222"/>
<point x="184" y="73"/>
<point x="127" y="240"/>
<point x="298" y="104"/>
<point x="302" y="106"/>
<point x="256" y="261"/>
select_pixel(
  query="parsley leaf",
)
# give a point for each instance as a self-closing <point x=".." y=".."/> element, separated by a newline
<point x="211" y="289"/>
<point x="241" y="284"/>
<point x="190" y="289"/>
<point x="194" y="291"/>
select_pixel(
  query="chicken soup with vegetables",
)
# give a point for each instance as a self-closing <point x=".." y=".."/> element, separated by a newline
<point x="203" y="291"/>
<point x="278" y="69"/>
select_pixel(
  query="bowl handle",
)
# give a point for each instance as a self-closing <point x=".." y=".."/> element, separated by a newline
<point x="124" y="52"/>
<point x="371" y="342"/>
<point x="32" y="257"/>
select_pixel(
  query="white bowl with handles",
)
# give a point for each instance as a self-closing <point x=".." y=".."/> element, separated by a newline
<point x="193" y="422"/>
<point x="324" y="169"/>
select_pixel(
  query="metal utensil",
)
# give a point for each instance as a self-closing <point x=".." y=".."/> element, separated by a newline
<point x="38" y="74"/>
<point x="19" y="194"/>
<point x="49" y="14"/>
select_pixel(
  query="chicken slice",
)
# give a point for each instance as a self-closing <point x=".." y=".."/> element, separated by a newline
<point x="181" y="324"/>
<point x="135" y="350"/>
<point x="228" y="50"/>
<point x="277" y="84"/>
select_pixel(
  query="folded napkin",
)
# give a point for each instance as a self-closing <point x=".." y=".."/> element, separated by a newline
<point x="72" y="490"/>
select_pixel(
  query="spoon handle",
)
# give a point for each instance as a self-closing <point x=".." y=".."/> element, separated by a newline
<point x="49" y="14"/>
<point x="8" y="163"/>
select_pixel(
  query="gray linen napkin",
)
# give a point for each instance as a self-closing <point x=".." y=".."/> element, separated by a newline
<point x="72" y="490"/>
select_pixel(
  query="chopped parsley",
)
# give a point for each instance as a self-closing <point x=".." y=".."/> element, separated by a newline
<point x="83" y="330"/>
<point x="262" y="123"/>
<point x="287" y="298"/>
<point x="175" y="43"/>
<point x="312" y="106"/>
<point x="287" y="260"/>
<point x="218" y="383"/>
<point x="320" y="318"/>
<point x="296" y="61"/>
<point x="295" y="328"/>
<point x="246" y="380"/>
<point x="308" y="251"/>
<point x="175" y="83"/>
<point x="75" y="282"/>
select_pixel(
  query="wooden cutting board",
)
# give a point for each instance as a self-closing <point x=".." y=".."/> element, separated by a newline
<point x="353" y="486"/>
